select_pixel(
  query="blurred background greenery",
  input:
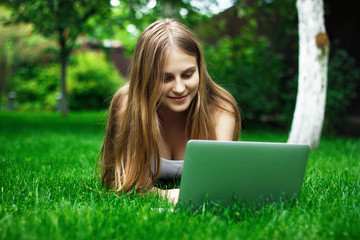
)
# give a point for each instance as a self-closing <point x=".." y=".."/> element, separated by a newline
<point x="251" y="49"/>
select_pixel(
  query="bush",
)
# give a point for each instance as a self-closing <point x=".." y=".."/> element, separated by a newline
<point x="251" y="72"/>
<point x="343" y="79"/>
<point x="92" y="81"/>
<point x="36" y="86"/>
<point x="254" y="75"/>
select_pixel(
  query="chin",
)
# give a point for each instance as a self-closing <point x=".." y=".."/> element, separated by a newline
<point x="178" y="108"/>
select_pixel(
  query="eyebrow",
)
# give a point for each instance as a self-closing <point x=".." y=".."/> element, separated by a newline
<point x="186" y="70"/>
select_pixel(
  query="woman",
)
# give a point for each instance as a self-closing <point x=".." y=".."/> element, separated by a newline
<point x="168" y="100"/>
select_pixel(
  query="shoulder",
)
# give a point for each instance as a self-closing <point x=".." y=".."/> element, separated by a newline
<point x="119" y="102"/>
<point x="224" y="120"/>
<point x="120" y="98"/>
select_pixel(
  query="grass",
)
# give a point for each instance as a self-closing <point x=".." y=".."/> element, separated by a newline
<point x="47" y="169"/>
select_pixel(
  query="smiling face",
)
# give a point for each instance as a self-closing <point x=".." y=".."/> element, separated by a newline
<point x="181" y="81"/>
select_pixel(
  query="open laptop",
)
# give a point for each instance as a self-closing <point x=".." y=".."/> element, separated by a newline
<point x="245" y="172"/>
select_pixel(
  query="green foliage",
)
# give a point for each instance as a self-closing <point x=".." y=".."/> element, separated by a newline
<point x="257" y="60"/>
<point x="64" y="20"/>
<point x="20" y="47"/>
<point x="68" y="17"/>
<point x="92" y="81"/>
<point x="55" y="194"/>
<point x="127" y="20"/>
<point x="251" y="71"/>
<point x="258" y="63"/>
<point x="36" y="87"/>
<point x="343" y="79"/>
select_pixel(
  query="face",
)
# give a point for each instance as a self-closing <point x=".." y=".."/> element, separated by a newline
<point x="181" y="81"/>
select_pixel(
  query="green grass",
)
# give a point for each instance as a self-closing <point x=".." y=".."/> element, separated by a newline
<point x="47" y="169"/>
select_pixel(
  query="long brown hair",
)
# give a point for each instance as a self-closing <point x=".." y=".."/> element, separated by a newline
<point x="133" y="128"/>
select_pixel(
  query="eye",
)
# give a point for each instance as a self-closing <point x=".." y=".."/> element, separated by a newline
<point x="168" y="78"/>
<point x="187" y="75"/>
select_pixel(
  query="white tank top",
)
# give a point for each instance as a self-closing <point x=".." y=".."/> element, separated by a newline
<point x="169" y="168"/>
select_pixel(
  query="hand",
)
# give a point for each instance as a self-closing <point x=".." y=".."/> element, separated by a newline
<point x="173" y="195"/>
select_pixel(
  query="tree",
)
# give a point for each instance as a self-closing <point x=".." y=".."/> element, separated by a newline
<point x="19" y="47"/>
<point x="62" y="19"/>
<point x="130" y="17"/>
<point x="313" y="61"/>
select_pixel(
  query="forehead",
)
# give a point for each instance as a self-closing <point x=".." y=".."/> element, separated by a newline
<point x="178" y="61"/>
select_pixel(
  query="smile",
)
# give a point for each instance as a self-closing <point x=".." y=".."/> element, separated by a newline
<point x="178" y="99"/>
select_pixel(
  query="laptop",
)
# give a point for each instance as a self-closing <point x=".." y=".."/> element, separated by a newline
<point x="246" y="172"/>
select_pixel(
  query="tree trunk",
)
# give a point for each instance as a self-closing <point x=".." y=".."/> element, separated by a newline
<point x="313" y="60"/>
<point x="63" y="59"/>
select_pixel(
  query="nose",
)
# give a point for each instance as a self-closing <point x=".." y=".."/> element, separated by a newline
<point x="178" y="87"/>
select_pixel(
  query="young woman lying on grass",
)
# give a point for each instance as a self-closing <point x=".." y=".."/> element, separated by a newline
<point x="168" y="100"/>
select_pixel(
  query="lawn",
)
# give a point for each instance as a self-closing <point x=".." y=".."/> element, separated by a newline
<point x="49" y="190"/>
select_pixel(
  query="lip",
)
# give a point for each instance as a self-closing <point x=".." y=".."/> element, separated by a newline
<point x="179" y="99"/>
